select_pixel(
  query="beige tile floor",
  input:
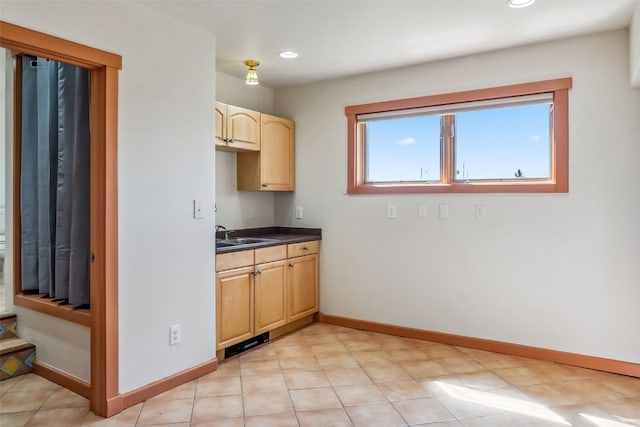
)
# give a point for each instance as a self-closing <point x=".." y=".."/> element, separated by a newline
<point x="331" y="376"/>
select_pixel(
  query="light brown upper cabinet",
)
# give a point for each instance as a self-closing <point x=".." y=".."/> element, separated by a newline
<point x="237" y="129"/>
<point x="273" y="168"/>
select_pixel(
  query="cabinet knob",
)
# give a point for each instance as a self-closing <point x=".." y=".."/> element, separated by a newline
<point x="265" y="185"/>
<point x="258" y="271"/>
<point x="291" y="265"/>
<point x="230" y="140"/>
<point x="305" y="248"/>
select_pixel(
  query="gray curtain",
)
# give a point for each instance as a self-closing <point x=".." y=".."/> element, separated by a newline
<point x="54" y="182"/>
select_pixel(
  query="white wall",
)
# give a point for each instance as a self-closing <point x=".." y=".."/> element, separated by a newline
<point x="165" y="161"/>
<point x="3" y="64"/>
<point x="235" y="207"/>
<point x="557" y="271"/>
<point x="634" y="47"/>
<point x="61" y="344"/>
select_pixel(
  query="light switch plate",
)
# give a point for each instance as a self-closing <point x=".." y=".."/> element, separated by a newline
<point x="198" y="209"/>
<point x="298" y="212"/>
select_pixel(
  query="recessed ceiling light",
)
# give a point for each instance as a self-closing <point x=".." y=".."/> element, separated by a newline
<point x="516" y="4"/>
<point x="288" y="54"/>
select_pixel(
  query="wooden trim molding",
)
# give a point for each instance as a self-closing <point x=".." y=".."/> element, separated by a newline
<point x="104" y="66"/>
<point x="23" y="40"/>
<point x="150" y="390"/>
<point x="104" y="240"/>
<point x="17" y="162"/>
<point x="560" y="152"/>
<point x="583" y="361"/>
<point x="463" y="96"/>
<point x="63" y="379"/>
<point x="48" y="306"/>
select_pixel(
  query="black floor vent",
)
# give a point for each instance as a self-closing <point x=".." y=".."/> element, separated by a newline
<point x="246" y="345"/>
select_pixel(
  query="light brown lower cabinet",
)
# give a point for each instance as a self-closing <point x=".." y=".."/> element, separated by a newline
<point x="234" y="306"/>
<point x="302" y="283"/>
<point x="270" y="296"/>
<point x="263" y="289"/>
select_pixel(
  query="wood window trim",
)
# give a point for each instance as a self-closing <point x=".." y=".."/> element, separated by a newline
<point x="559" y="182"/>
<point x="103" y="316"/>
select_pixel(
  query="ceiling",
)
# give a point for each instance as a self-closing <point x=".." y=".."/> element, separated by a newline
<point x="339" y="38"/>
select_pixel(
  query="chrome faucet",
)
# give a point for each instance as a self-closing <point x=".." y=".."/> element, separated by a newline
<point x="226" y="232"/>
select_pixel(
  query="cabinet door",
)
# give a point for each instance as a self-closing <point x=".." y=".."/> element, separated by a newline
<point x="302" y="282"/>
<point x="243" y="128"/>
<point x="270" y="296"/>
<point x="221" y="124"/>
<point x="234" y="306"/>
<point x="277" y="162"/>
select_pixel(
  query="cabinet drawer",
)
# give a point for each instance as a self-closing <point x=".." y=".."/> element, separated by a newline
<point x="304" y="248"/>
<point x="234" y="260"/>
<point x="272" y="253"/>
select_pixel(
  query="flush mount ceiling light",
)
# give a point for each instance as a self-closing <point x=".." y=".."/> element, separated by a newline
<point x="252" y="76"/>
<point x="288" y="54"/>
<point x="517" y="4"/>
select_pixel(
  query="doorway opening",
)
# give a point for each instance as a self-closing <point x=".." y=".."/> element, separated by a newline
<point x="103" y="276"/>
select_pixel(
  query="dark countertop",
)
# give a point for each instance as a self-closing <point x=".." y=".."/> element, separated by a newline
<point x="279" y="236"/>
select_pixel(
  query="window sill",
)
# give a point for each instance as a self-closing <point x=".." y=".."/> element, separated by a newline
<point x="38" y="302"/>
<point x="472" y="187"/>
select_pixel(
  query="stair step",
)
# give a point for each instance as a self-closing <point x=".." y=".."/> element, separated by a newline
<point x="16" y="358"/>
<point x="8" y="322"/>
<point x="16" y="355"/>
<point x="13" y="345"/>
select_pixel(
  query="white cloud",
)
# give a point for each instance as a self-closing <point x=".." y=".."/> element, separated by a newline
<point x="535" y="137"/>
<point x="407" y="141"/>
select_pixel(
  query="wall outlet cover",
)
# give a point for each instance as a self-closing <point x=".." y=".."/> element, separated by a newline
<point x="392" y="211"/>
<point x="174" y="335"/>
<point x="443" y="211"/>
<point x="422" y="210"/>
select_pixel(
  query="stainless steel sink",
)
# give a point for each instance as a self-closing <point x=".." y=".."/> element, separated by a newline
<point x="247" y="240"/>
<point x="243" y="241"/>
<point x="223" y="244"/>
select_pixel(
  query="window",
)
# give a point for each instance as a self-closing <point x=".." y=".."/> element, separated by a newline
<point x="507" y="139"/>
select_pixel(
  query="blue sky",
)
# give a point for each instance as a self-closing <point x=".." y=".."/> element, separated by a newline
<point x="491" y="144"/>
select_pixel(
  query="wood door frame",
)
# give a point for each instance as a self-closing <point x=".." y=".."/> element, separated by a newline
<point x="105" y="399"/>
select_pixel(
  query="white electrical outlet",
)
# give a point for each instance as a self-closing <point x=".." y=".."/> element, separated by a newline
<point x="174" y="334"/>
<point x="422" y="210"/>
<point x="443" y="211"/>
<point x="298" y="212"/>
<point x="481" y="211"/>
<point x="392" y="211"/>
<point x="252" y="212"/>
